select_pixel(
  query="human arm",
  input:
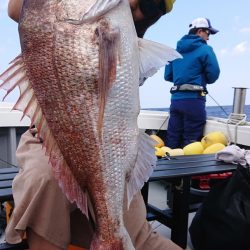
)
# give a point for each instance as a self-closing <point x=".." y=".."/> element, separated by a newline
<point x="14" y="9"/>
<point x="168" y="75"/>
<point x="212" y="69"/>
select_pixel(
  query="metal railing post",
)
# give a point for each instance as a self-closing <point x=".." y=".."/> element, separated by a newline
<point x="239" y="100"/>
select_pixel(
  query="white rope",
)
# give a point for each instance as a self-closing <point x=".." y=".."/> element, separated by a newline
<point x="235" y="119"/>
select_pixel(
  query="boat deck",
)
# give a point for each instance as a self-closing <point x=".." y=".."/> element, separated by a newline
<point x="178" y="172"/>
<point x="158" y="198"/>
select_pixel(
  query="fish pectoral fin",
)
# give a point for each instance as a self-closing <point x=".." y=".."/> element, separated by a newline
<point x="144" y="165"/>
<point x="153" y="56"/>
<point x="83" y="12"/>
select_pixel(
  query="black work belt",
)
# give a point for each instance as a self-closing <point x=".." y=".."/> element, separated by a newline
<point x="188" y="87"/>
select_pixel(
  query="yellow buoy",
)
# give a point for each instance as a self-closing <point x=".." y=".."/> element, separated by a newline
<point x="159" y="152"/>
<point x="214" y="148"/>
<point x="158" y="141"/>
<point x="166" y="149"/>
<point x="176" y="152"/>
<point x="193" y="148"/>
<point x="212" y="138"/>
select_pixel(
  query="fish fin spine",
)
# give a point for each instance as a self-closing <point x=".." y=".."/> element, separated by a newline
<point x="143" y="167"/>
<point x="153" y="56"/>
<point x="27" y="103"/>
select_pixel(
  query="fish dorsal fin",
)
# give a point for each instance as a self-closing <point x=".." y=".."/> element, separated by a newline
<point x="15" y="76"/>
<point x="84" y="12"/>
<point x="144" y="165"/>
<point x="153" y="56"/>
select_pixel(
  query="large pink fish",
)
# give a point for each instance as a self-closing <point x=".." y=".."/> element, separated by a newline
<point x="79" y="75"/>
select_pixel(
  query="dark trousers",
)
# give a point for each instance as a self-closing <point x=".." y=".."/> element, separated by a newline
<point x="186" y="123"/>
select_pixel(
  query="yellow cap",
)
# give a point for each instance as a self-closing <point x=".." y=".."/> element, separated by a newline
<point x="169" y="5"/>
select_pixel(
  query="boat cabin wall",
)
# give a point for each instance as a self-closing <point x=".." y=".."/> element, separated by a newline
<point x="9" y="139"/>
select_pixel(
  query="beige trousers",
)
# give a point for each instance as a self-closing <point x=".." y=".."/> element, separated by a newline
<point x="41" y="206"/>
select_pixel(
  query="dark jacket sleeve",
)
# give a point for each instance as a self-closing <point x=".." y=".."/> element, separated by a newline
<point x="168" y="75"/>
<point x="211" y="68"/>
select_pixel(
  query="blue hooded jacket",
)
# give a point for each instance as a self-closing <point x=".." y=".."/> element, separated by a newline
<point x="199" y="66"/>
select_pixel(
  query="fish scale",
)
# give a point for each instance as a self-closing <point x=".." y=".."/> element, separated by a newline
<point x="78" y="76"/>
<point x="63" y="98"/>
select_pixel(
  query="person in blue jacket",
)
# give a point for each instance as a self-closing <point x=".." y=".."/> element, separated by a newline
<point x="190" y="75"/>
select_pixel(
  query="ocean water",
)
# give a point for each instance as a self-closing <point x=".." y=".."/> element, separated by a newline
<point x="218" y="111"/>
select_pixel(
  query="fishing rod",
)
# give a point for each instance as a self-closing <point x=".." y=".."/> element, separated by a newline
<point x="218" y="104"/>
<point x="221" y="107"/>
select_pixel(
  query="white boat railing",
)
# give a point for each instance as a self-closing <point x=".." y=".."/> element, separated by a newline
<point x="11" y="128"/>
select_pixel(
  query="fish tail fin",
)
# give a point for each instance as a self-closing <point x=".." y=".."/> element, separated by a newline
<point x="126" y="240"/>
<point x="108" y="56"/>
<point x="122" y="242"/>
<point x="153" y="56"/>
<point x="144" y="166"/>
<point x="98" y="244"/>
